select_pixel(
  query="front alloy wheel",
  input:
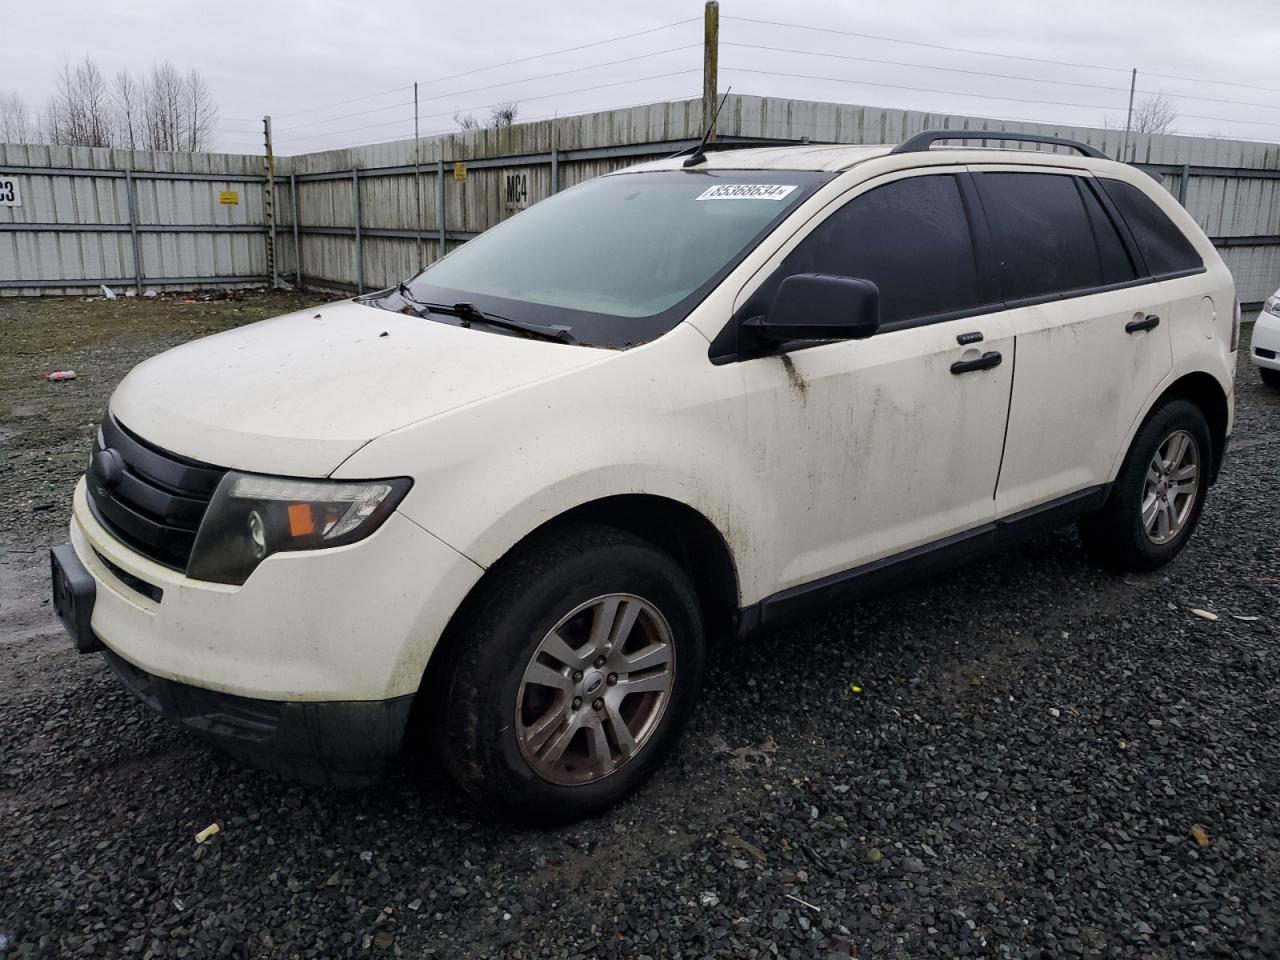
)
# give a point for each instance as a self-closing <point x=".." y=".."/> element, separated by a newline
<point x="595" y="689"/>
<point x="569" y="675"/>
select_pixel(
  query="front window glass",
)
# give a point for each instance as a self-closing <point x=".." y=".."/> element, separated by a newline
<point x="619" y="259"/>
<point x="909" y="237"/>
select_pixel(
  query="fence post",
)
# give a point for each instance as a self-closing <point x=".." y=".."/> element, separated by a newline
<point x="133" y="229"/>
<point x="355" y="206"/>
<point x="440" y="204"/>
<point x="269" y="201"/>
<point x="297" y="229"/>
<point x="1182" y="183"/>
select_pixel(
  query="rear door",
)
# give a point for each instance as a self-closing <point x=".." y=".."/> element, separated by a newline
<point x="1092" y="338"/>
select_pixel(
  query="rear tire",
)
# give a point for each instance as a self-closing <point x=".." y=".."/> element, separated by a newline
<point x="1158" y="494"/>
<point x="1270" y="377"/>
<point x="570" y="677"/>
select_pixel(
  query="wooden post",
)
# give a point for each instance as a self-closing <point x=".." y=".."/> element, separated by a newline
<point x="355" y="215"/>
<point x="710" y="63"/>
<point x="417" y="175"/>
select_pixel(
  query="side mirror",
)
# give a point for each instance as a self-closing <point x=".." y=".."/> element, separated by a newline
<point x="814" y="306"/>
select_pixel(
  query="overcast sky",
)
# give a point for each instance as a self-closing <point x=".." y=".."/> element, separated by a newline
<point x="288" y="57"/>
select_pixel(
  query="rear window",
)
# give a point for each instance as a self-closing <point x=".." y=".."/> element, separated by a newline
<point x="1042" y="233"/>
<point x="1165" y="248"/>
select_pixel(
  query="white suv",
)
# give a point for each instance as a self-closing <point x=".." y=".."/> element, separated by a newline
<point x="1265" y="342"/>
<point x="509" y="504"/>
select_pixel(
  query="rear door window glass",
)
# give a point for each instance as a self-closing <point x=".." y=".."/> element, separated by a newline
<point x="910" y="237"/>
<point x="1165" y="248"/>
<point x="1043" y="238"/>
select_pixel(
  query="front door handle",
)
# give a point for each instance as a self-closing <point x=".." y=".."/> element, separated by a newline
<point x="988" y="360"/>
<point x="1149" y="322"/>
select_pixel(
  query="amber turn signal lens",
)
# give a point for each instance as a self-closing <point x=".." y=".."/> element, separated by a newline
<point x="301" y="523"/>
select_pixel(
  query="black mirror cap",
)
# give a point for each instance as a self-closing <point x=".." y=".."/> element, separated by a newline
<point x="815" y="306"/>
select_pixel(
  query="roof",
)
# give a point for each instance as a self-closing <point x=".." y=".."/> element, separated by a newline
<point x="824" y="157"/>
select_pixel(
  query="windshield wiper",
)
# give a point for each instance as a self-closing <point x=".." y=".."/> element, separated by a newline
<point x="407" y="296"/>
<point x="469" y="313"/>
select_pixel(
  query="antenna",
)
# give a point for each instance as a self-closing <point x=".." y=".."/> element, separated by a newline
<point x="700" y="153"/>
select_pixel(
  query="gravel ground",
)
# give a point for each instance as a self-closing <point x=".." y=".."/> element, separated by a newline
<point x="1023" y="768"/>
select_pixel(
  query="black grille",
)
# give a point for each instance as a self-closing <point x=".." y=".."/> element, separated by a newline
<point x="1265" y="353"/>
<point x="146" y="497"/>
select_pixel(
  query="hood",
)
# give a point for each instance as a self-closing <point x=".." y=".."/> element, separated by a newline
<point x="299" y="394"/>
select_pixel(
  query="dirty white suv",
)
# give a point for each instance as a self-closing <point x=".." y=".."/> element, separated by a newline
<point x="506" y="507"/>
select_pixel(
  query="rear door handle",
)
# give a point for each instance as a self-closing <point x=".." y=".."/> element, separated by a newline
<point x="1149" y="322"/>
<point x="988" y="360"/>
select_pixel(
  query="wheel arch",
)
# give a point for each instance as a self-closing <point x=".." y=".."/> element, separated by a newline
<point x="1204" y="390"/>
<point x="676" y="528"/>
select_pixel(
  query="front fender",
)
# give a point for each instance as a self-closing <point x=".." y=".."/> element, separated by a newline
<point x="659" y="419"/>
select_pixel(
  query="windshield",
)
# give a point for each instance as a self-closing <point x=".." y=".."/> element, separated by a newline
<point x="620" y="259"/>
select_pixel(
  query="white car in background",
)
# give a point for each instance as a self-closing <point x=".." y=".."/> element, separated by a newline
<point x="1265" y="346"/>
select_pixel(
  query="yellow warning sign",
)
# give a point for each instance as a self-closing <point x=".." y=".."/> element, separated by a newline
<point x="459" y="172"/>
<point x="229" y="198"/>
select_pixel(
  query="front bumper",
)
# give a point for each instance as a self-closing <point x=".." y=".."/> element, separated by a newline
<point x="336" y="743"/>
<point x="341" y="744"/>
<point x="1264" y="346"/>
<point x="349" y="623"/>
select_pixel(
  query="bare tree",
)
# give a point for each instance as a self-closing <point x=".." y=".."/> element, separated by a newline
<point x="1154" y="114"/>
<point x="16" y="123"/>
<point x="164" y="95"/>
<point x="80" y="110"/>
<point x="126" y="97"/>
<point x="200" y="112"/>
<point x="500" y="115"/>
<point x="503" y="114"/>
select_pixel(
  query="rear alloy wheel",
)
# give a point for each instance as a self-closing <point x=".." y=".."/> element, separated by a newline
<point x="1171" y="487"/>
<point x="1157" y="496"/>
<point x="569" y="675"/>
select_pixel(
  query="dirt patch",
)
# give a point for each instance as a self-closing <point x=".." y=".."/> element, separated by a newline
<point x="46" y="429"/>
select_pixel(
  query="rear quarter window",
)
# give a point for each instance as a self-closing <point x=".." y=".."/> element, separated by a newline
<point x="1165" y="248"/>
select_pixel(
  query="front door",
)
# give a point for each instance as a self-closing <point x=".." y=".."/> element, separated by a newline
<point x="868" y="448"/>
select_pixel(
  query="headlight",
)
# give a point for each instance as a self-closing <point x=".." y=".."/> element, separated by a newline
<point x="251" y="517"/>
<point x="1273" y="305"/>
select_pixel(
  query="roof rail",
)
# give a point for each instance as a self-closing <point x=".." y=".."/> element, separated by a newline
<point x="923" y="141"/>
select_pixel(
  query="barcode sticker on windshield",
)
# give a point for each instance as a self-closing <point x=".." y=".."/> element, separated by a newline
<point x="747" y="191"/>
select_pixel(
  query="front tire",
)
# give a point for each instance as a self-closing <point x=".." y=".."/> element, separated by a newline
<point x="1270" y="377"/>
<point x="1158" y="494"/>
<point x="571" y="675"/>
